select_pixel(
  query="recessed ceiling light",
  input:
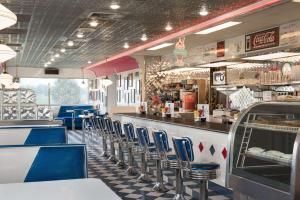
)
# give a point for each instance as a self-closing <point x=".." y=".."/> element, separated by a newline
<point x="163" y="45"/>
<point x="80" y="35"/>
<point x="57" y="55"/>
<point x="126" y="45"/>
<point x="52" y="59"/>
<point x="45" y="65"/>
<point x="144" y="37"/>
<point x="296" y="1"/>
<point x="89" y="62"/>
<point x="70" y="43"/>
<point x="218" y="27"/>
<point x="114" y="6"/>
<point x="93" y="23"/>
<point x="49" y="63"/>
<point x="168" y="27"/>
<point x="63" y="50"/>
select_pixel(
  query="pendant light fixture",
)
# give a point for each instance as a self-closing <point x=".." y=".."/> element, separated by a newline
<point x="5" y="78"/>
<point x="7" y="18"/>
<point x="6" y="53"/>
<point x="106" y="81"/>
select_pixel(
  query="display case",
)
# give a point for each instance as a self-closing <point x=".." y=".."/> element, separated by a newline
<point x="264" y="152"/>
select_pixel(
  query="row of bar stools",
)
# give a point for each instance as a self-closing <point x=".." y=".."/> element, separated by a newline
<point x="159" y="151"/>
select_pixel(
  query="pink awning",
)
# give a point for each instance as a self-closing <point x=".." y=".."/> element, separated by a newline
<point x="122" y="64"/>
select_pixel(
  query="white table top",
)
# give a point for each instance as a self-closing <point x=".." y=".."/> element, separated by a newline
<point x="77" y="189"/>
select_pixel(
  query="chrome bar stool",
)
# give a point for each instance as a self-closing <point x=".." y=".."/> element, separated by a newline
<point x="201" y="172"/>
<point x="112" y="138"/>
<point x="121" y="140"/>
<point x="131" y="144"/>
<point x="146" y="151"/>
<point x="162" y="148"/>
<point x="102" y="127"/>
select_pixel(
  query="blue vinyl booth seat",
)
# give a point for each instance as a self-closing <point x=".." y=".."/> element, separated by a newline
<point x="33" y="136"/>
<point x="67" y="118"/>
<point x="42" y="163"/>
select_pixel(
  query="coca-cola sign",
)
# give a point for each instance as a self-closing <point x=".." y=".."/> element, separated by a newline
<point x="262" y="39"/>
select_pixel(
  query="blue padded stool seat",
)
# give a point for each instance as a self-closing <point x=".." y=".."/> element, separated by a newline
<point x="205" y="166"/>
<point x="171" y="157"/>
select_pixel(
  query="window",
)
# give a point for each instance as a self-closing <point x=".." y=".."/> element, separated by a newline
<point x="60" y="91"/>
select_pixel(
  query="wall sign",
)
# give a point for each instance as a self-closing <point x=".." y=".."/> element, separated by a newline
<point x="262" y="39"/>
<point x="219" y="78"/>
<point x="221" y="49"/>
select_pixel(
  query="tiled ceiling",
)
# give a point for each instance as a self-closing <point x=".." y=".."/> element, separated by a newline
<point x="45" y="26"/>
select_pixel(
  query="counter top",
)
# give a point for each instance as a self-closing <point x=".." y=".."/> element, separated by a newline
<point x="209" y="126"/>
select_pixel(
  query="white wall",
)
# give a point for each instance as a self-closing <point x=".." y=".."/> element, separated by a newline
<point x="30" y="72"/>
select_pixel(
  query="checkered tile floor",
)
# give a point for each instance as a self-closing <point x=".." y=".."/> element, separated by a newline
<point x="126" y="186"/>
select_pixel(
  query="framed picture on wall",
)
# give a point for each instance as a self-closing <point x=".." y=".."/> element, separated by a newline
<point x="119" y="84"/>
<point x="138" y="86"/>
<point x="125" y="83"/>
<point x="132" y="95"/>
<point x="96" y="83"/>
<point x="130" y="80"/>
<point x="127" y="98"/>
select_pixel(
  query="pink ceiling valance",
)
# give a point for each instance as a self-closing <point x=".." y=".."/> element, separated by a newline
<point x="122" y="64"/>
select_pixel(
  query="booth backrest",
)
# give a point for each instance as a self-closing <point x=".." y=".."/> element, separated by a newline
<point x="33" y="136"/>
<point x="42" y="163"/>
<point x="63" y="110"/>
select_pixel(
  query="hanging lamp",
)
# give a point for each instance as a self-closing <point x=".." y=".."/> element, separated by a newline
<point x="106" y="81"/>
<point x="5" y="78"/>
<point x="6" y="53"/>
<point x="7" y="18"/>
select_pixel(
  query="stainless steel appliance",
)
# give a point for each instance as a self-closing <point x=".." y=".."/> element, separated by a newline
<point x="264" y="152"/>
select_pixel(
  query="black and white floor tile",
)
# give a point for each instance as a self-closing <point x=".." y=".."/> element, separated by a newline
<point x="126" y="186"/>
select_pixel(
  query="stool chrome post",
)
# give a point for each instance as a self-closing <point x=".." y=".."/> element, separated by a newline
<point x="121" y="142"/>
<point x="121" y="163"/>
<point x="203" y="190"/>
<point x="197" y="171"/>
<point x="179" y="185"/>
<point x="159" y="185"/>
<point x="111" y="133"/>
<point x="130" y="143"/>
<point x="162" y="148"/>
<point x="103" y="133"/>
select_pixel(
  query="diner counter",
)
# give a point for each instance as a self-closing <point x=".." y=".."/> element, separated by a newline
<point x="208" y="126"/>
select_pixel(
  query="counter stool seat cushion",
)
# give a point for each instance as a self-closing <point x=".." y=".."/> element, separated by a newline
<point x="204" y="166"/>
<point x="152" y="149"/>
<point x="171" y="157"/>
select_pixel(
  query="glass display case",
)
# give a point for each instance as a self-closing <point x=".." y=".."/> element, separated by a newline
<point x="264" y="152"/>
